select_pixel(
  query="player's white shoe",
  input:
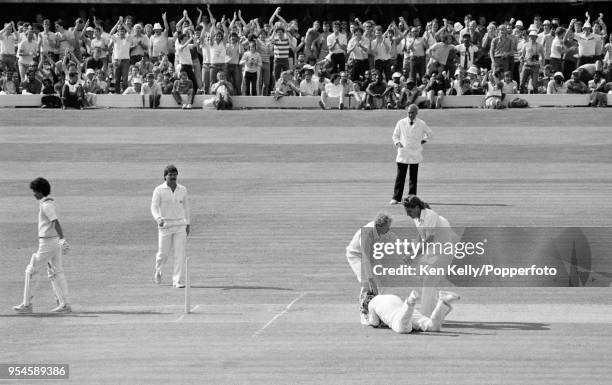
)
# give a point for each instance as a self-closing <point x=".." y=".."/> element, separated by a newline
<point x="448" y="297"/>
<point x="393" y="202"/>
<point x="178" y="285"/>
<point x="412" y="298"/>
<point x="157" y="277"/>
<point x="23" y="308"/>
<point x="62" y="309"/>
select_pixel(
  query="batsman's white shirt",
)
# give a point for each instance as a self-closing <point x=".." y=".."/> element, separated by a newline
<point x="46" y="215"/>
<point x="410" y="136"/>
<point x="170" y="206"/>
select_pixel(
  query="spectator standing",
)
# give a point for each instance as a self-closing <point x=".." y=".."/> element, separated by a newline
<point x="182" y="48"/>
<point x="9" y="38"/>
<point x="587" y="41"/>
<point x="468" y="53"/>
<point x="557" y="50"/>
<point x="381" y="48"/>
<point x="48" y="41"/>
<point x="234" y="51"/>
<point x="545" y="39"/>
<point x="532" y="59"/>
<point x="413" y="47"/>
<point x="158" y="42"/>
<point x="26" y="50"/>
<point x="358" y="49"/>
<point x="121" y="55"/>
<point x="252" y="62"/>
<point x="502" y="50"/>
<point x="337" y="43"/>
<point x="139" y="44"/>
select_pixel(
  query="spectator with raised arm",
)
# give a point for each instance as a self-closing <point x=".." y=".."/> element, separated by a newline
<point x="9" y="38"/>
<point x="251" y="60"/>
<point x="158" y="42"/>
<point x="121" y="54"/>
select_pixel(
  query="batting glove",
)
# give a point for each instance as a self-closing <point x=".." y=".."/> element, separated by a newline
<point x="64" y="245"/>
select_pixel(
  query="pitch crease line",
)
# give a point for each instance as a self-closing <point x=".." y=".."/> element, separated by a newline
<point x="279" y="314"/>
<point x="183" y="316"/>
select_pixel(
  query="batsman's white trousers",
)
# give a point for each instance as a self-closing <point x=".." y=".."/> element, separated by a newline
<point x="173" y="238"/>
<point x="49" y="253"/>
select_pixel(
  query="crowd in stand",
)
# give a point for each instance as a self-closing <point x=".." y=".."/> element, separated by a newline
<point x="377" y="66"/>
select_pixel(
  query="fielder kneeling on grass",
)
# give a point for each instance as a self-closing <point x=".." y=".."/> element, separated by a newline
<point x="51" y="244"/>
<point x="388" y="310"/>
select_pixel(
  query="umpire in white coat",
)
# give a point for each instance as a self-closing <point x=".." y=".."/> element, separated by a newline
<point x="409" y="136"/>
<point x="170" y="210"/>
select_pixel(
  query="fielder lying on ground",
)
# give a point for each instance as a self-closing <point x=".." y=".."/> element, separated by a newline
<point x="389" y="310"/>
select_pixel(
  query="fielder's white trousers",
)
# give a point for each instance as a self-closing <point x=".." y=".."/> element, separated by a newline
<point x="409" y="319"/>
<point x="172" y="241"/>
<point x="49" y="256"/>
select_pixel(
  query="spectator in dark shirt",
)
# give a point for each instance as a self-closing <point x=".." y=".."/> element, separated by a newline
<point x="377" y="92"/>
<point x="183" y="86"/>
<point x="31" y="85"/>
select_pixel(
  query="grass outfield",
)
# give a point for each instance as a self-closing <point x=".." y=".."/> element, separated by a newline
<point x="276" y="196"/>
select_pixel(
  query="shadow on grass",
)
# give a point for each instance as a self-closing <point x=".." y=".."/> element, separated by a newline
<point x="238" y="287"/>
<point x="527" y="326"/>
<point x="87" y="313"/>
<point x="470" y="204"/>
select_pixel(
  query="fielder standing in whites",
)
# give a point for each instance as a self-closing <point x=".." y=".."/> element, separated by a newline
<point x="51" y="244"/>
<point x="170" y="210"/>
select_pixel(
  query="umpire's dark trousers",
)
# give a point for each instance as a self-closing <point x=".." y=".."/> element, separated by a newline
<point x="400" y="180"/>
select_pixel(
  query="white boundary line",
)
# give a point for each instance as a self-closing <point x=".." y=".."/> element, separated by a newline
<point x="183" y="316"/>
<point x="279" y="314"/>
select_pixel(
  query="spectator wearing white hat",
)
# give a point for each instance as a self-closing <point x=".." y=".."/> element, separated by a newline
<point x="158" y="42"/>
<point x="531" y="57"/>
<point x="587" y="42"/>
<point x="135" y="88"/>
<point x="545" y="38"/>
<point x="308" y="85"/>
<point x="556" y="85"/>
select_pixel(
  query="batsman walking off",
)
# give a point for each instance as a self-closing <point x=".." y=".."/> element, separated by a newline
<point x="51" y="244"/>
<point x="170" y="210"/>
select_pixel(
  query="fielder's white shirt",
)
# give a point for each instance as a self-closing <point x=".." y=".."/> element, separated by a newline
<point x="46" y="215"/>
<point x="170" y="206"/>
<point x="430" y="224"/>
<point x="385" y="308"/>
<point x="410" y="136"/>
